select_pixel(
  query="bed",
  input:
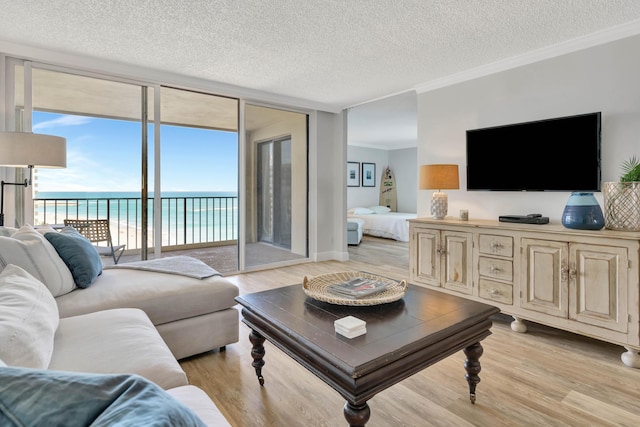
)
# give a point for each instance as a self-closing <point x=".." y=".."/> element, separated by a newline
<point x="380" y="222"/>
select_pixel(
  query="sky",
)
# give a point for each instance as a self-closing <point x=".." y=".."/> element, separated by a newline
<point x="105" y="155"/>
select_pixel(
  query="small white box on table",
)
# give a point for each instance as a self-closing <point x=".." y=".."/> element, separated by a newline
<point x="350" y="326"/>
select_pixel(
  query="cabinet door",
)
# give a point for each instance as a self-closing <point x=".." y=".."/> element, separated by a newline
<point x="456" y="257"/>
<point x="426" y="260"/>
<point x="544" y="276"/>
<point x="598" y="285"/>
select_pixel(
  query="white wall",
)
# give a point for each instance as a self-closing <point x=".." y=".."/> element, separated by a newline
<point x="327" y="163"/>
<point x="403" y="165"/>
<point x="405" y="170"/>
<point x="603" y="78"/>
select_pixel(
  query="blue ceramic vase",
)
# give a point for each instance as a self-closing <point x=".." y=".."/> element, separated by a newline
<point x="582" y="212"/>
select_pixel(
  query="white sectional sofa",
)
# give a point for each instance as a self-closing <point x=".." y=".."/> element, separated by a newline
<point x="127" y="321"/>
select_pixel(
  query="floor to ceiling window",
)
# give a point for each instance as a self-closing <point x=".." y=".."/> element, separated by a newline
<point x="173" y="186"/>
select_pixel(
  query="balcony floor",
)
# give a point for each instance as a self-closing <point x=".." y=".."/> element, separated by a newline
<point x="223" y="258"/>
<point x="372" y="250"/>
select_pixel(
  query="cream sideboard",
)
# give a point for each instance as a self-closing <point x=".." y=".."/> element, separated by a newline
<point x="582" y="281"/>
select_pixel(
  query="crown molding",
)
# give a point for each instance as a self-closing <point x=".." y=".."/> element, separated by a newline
<point x="595" y="39"/>
<point x="401" y="145"/>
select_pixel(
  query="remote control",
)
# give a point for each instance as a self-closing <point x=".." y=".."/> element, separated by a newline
<point x="524" y="219"/>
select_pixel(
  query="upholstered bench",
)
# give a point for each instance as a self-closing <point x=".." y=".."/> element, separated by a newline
<point x="354" y="231"/>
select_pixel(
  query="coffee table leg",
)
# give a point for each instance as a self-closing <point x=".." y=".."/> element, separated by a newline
<point x="357" y="415"/>
<point x="472" y="365"/>
<point x="257" y="352"/>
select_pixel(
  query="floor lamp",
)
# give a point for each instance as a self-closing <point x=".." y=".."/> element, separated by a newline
<point x="439" y="177"/>
<point x="29" y="150"/>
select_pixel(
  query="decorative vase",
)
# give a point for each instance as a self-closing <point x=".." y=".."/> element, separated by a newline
<point x="582" y="212"/>
<point x="622" y="205"/>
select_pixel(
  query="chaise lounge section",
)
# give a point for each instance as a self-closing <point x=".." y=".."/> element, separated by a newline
<point x="192" y="315"/>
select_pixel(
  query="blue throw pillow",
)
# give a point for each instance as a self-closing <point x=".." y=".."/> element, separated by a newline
<point x="78" y="253"/>
<point x="55" y="398"/>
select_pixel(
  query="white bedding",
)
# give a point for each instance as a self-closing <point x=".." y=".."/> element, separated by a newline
<point x="392" y="225"/>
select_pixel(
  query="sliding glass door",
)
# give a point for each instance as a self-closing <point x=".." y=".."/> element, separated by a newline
<point x="274" y="192"/>
<point x="199" y="175"/>
<point x="276" y="187"/>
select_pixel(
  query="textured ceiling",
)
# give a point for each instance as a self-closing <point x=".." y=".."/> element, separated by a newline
<point x="338" y="53"/>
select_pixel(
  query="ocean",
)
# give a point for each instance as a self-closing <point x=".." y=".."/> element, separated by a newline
<point x="127" y="194"/>
<point x="187" y="217"/>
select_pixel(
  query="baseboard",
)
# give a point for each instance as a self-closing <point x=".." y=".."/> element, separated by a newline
<point x="331" y="256"/>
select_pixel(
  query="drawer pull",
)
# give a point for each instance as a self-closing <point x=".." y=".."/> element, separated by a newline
<point x="494" y="292"/>
<point x="495" y="246"/>
<point x="494" y="269"/>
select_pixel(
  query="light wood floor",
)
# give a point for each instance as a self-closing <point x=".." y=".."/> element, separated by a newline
<point x="545" y="377"/>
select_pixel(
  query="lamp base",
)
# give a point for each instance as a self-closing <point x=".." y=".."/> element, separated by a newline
<point x="439" y="205"/>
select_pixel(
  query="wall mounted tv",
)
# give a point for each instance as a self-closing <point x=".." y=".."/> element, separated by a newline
<point x="559" y="154"/>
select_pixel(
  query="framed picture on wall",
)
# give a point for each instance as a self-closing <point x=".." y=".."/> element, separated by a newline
<point x="368" y="174"/>
<point x="353" y="174"/>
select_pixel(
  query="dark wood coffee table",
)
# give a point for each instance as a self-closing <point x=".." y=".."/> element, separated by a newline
<point x="402" y="338"/>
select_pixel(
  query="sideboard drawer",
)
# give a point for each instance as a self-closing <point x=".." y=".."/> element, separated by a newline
<point x="496" y="245"/>
<point x="496" y="291"/>
<point x="496" y="268"/>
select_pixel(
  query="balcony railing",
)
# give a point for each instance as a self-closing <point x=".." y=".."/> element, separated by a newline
<point x="186" y="221"/>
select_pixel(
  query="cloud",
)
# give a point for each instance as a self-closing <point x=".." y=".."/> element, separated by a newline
<point x="62" y="121"/>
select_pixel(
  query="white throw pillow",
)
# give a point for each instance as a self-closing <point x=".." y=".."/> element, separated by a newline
<point x="30" y="250"/>
<point x="28" y="319"/>
<point x="7" y="231"/>
<point x="360" y="211"/>
<point x="380" y="209"/>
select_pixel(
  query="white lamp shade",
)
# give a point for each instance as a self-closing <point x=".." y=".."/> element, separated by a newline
<point x="23" y="149"/>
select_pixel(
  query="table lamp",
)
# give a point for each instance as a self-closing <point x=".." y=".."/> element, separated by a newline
<point x="29" y="150"/>
<point x="439" y="177"/>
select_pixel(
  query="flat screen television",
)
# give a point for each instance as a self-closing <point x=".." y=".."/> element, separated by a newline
<point x="559" y="154"/>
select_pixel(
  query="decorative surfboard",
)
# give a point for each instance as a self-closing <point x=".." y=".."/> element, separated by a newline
<point x="388" y="195"/>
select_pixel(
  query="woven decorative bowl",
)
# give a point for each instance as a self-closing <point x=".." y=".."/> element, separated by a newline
<point x="316" y="288"/>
